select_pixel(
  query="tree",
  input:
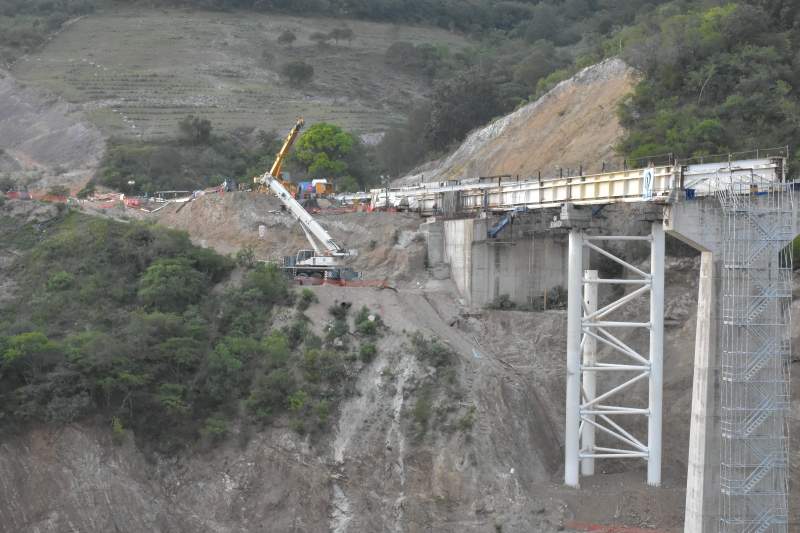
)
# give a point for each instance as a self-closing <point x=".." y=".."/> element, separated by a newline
<point x="195" y="130"/>
<point x="29" y="354"/>
<point x="322" y="150"/>
<point x="459" y="105"/>
<point x="298" y="73"/>
<point x="538" y="64"/>
<point x="171" y="285"/>
<point x="286" y="38"/>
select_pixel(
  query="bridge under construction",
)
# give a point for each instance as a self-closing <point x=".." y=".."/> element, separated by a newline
<point x="525" y="238"/>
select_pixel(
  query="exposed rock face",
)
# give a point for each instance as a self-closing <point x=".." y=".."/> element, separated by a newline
<point x="372" y="472"/>
<point x="573" y="125"/>
<point x="45" y="141"/>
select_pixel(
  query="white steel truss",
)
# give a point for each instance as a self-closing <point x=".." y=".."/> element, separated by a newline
<point x="595" y="418"/>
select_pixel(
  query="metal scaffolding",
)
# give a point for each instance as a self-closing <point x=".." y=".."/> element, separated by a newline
<point x="590" y="411"/>
<point x="755" y="354"/>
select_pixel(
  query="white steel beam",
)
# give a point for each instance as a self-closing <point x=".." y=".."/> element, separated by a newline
<point x="656" y="354"/>
<point x="574" y="316"/>
<point x="589" y="375"/>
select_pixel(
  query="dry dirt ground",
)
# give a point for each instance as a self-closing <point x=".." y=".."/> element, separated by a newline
<point x="43" y="140"/>
<point x="389" y="245"/>
<point x="573" y="125"/>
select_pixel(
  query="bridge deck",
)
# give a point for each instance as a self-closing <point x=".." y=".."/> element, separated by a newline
<point x="653" y="184"/>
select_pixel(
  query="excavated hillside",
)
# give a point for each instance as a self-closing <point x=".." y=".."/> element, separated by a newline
<point x="43" y="140"/>
<point x="389" y="245"/>
<point x="573" y="125"/>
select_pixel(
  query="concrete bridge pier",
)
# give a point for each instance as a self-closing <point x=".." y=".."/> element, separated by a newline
<point x="701" y="224"/>
<point x="525" y="262"/>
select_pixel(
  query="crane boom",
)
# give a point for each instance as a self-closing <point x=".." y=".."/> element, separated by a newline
<point x="320" y="239"/>
<point x="287" y="145"/>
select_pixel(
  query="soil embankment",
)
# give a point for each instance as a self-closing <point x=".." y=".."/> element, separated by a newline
<point x="572" y="126"/>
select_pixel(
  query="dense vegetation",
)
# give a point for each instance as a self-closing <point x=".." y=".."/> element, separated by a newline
<point x="718" y="78"/>
<point x="123" y="322"/>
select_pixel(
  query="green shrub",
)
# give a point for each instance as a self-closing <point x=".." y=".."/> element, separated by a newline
<point x="117" y="431"/>
<point x="432" y="351"/>
<point x="466" y="422"/>
<point x="246" y="257"/>
<point x="366" y="326"/>
<point x="270" y="394"/>
<point x="367" y="352"/>
<point x="307" y="297"/>
<point x="215" y="427"/>
<point x="87" y="191"/>
<point x="60" y="281"/>
<point x="298" y="401"/>
<point x="297" y="331"/>
<point x="422" y="411"/>
<point x="215" y="266"/>
<point x="171" y="398"/>
<point x="276" y="349"/>
<point x="270" y="284"/>
<point x="223" y="374"/>
<point x="322" y="410"/>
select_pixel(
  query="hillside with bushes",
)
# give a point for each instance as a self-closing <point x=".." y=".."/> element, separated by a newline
<point x="132" y="325"/>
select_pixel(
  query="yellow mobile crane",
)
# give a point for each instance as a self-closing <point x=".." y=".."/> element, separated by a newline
<point x="275" y="171"/>
<point x="327" y="259"/>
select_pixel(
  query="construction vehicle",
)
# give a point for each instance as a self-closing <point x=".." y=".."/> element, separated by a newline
<point x="327" y="258"/>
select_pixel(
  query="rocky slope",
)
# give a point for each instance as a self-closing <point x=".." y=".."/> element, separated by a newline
<point x="573" y="125"/>
<point x="43" y="140"/>
<point x="373" y="473"/>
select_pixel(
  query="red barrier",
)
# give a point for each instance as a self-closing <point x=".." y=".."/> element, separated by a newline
<point x="602" y="528"/>
<point x="18" y="195"/>
<point x="376" y="283"/>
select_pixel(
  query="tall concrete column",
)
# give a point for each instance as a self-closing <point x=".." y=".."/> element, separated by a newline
<point x="656" y="354"/>
<point x="574" y="318"/>
<point x="701" y="424"/>
<point x="589" y="377"/>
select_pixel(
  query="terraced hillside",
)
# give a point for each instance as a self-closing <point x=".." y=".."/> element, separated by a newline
<point x="138" y="73"/>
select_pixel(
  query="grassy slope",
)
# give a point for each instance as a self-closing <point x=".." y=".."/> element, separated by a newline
<point x="139" y="72"/>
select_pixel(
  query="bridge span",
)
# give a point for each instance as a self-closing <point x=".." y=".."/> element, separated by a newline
<point x="506" y="193"/>
<point x="528" y="240"/>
